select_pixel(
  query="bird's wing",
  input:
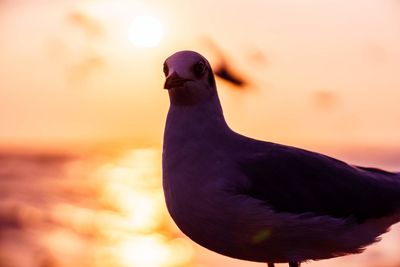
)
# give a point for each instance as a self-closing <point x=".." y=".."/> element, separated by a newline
<point x="299" y="181"/>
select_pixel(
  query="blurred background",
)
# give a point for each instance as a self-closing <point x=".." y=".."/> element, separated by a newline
<point x="82" y="112"/>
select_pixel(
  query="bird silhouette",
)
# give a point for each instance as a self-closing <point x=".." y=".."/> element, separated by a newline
<point x="256" y="200"/>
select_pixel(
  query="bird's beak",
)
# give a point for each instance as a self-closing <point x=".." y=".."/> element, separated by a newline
<point x="174" y="80"/>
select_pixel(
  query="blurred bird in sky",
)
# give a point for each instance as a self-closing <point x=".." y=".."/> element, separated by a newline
<point x="91" y="59"/>
<point x="261" y="201"/>
<point x="225" y="71"/>
<point x="91" y="27"/>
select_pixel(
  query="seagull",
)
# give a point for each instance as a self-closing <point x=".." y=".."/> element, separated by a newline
<point x="261" y="201"/>
<point x="224" y="70"/>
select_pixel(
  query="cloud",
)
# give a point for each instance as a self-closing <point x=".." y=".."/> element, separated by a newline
<point x="325" y="99"/>
<point x="88" y="66"/>
<point x="78" y="53"/>
<point x="91" y="27"/>
<point x="258" y="58"/>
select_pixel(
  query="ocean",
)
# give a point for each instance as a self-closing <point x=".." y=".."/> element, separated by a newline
<point x="107" y="209"/>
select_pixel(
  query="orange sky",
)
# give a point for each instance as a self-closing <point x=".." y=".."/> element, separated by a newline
<point x="328" y="74"/>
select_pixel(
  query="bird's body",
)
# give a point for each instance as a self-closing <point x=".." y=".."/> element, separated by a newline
<point x="261" y="201"/>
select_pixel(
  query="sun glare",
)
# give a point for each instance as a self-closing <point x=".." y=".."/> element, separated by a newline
<point x="146" y="31"/>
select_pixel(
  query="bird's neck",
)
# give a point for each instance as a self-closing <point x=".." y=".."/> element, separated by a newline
<point x="196" y="121"/>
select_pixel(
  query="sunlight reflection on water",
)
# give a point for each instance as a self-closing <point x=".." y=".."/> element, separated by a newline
<point x="87" y="212"/>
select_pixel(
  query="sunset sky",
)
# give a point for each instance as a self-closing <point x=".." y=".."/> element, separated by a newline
<point x="87" y="75"/>
<point x="323" y="73"/>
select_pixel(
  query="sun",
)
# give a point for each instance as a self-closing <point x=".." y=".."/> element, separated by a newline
<point x="146" y="31"/>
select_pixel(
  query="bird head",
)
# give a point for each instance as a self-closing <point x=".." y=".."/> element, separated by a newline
<point x="189" y="78"/>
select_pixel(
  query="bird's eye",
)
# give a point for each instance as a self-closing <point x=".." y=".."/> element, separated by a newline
<point x="165" y="69"/>
<point x="199" y="69"/>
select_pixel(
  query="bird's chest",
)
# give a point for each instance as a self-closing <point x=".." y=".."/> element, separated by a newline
<point x="194" y="186"/>
<point x="208" y="211"/>
<point x="202" y="212"/>
<point x="190" y="178"/>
